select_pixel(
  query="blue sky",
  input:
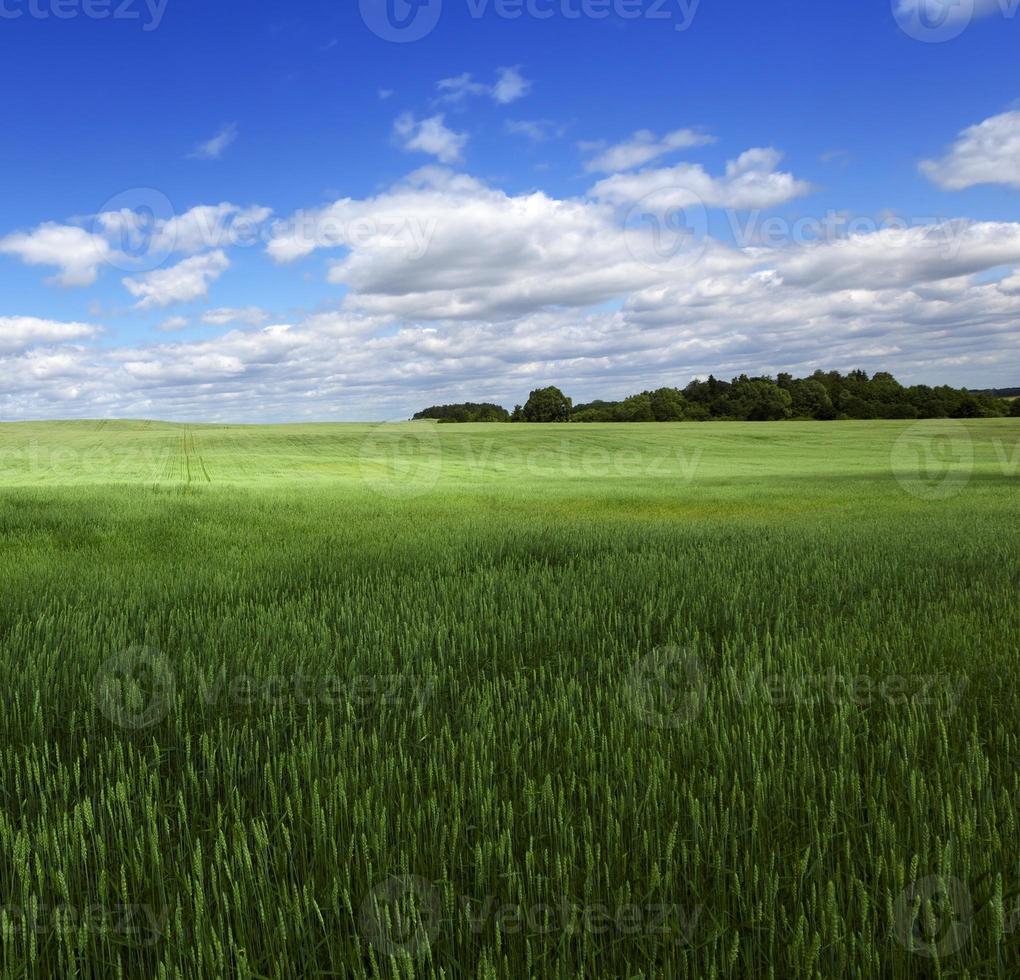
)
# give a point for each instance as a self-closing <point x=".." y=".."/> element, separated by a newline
<point x="604" y="202"/>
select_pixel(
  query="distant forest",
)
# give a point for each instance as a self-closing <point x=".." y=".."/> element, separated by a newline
<point x="825" y="396"/>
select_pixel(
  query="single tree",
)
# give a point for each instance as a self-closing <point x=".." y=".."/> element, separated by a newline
<point x="547" y="405"/>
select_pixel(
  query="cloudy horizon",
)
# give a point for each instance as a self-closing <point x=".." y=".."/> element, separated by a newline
<point x="491" y="240"/>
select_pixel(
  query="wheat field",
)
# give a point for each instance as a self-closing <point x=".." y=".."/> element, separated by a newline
<point x="677" y="701"/>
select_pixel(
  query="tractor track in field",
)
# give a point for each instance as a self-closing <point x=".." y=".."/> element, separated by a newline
<point x="192" y="462"/>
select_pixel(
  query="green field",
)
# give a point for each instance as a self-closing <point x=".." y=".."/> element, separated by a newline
<point x="693" y="700"/>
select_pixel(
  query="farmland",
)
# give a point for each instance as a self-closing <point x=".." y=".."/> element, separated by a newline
<point x="504" y="701"/>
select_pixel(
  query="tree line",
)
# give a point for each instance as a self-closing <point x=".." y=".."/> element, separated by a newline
<point x="824" y="396"/>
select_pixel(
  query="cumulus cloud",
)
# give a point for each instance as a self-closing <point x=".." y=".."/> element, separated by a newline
<point x="453" y="289"/>
<point x="509" y="86"/>
<point x="78" y="254"/>
<point x="206" y="226"/>
<point x="128" y="239"/>
<point x="214" y="148"/>
<point x="904" y="258"/>
<point x="730" y="313"/>
<point x="173" y="324"/>
<point x="391" y="221"/>
<point x="643" y="147"/>
<point x="181" y="283"/>
<point x="430" y="136"/>
<point x="988" y="153"/>
<point x="20" y="332"/>
<point x="460" y="87"/>
<point x="751" y="181"/>
<point x="488" y="254"/>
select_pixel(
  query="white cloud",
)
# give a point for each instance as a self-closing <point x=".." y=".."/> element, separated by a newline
<point x="188" y="280"/>
<point x="173" y="324"/>
<point x="643" y="147"/>
<point x="1011" y="284"/>
<point x="213" y="226"/>
<point x="751" y="181"/>
<point x="213" y="149"/>
<point x="250" y="316"/>
<point x="206" y="226"/>
<point x="430" y="136"/>
<point x="903" y="258"/>
<point x="488" y="254"/>
<point x="20" y="332"/>
<point x="509" y="86"/>
<point x="460" y="87"/>
<point x="457" y="290"/>
<point x="77" y="253"/>
<point x="988" y="153"/>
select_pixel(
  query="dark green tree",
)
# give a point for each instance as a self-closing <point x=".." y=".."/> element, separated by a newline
<point x="637" y="408"/>
<point x="759" y="400"/>
<point x="547" y="405"/>
<point x="466" y="412"/>
<point x="668" y="405"/>
<point x="811" y="400"/>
